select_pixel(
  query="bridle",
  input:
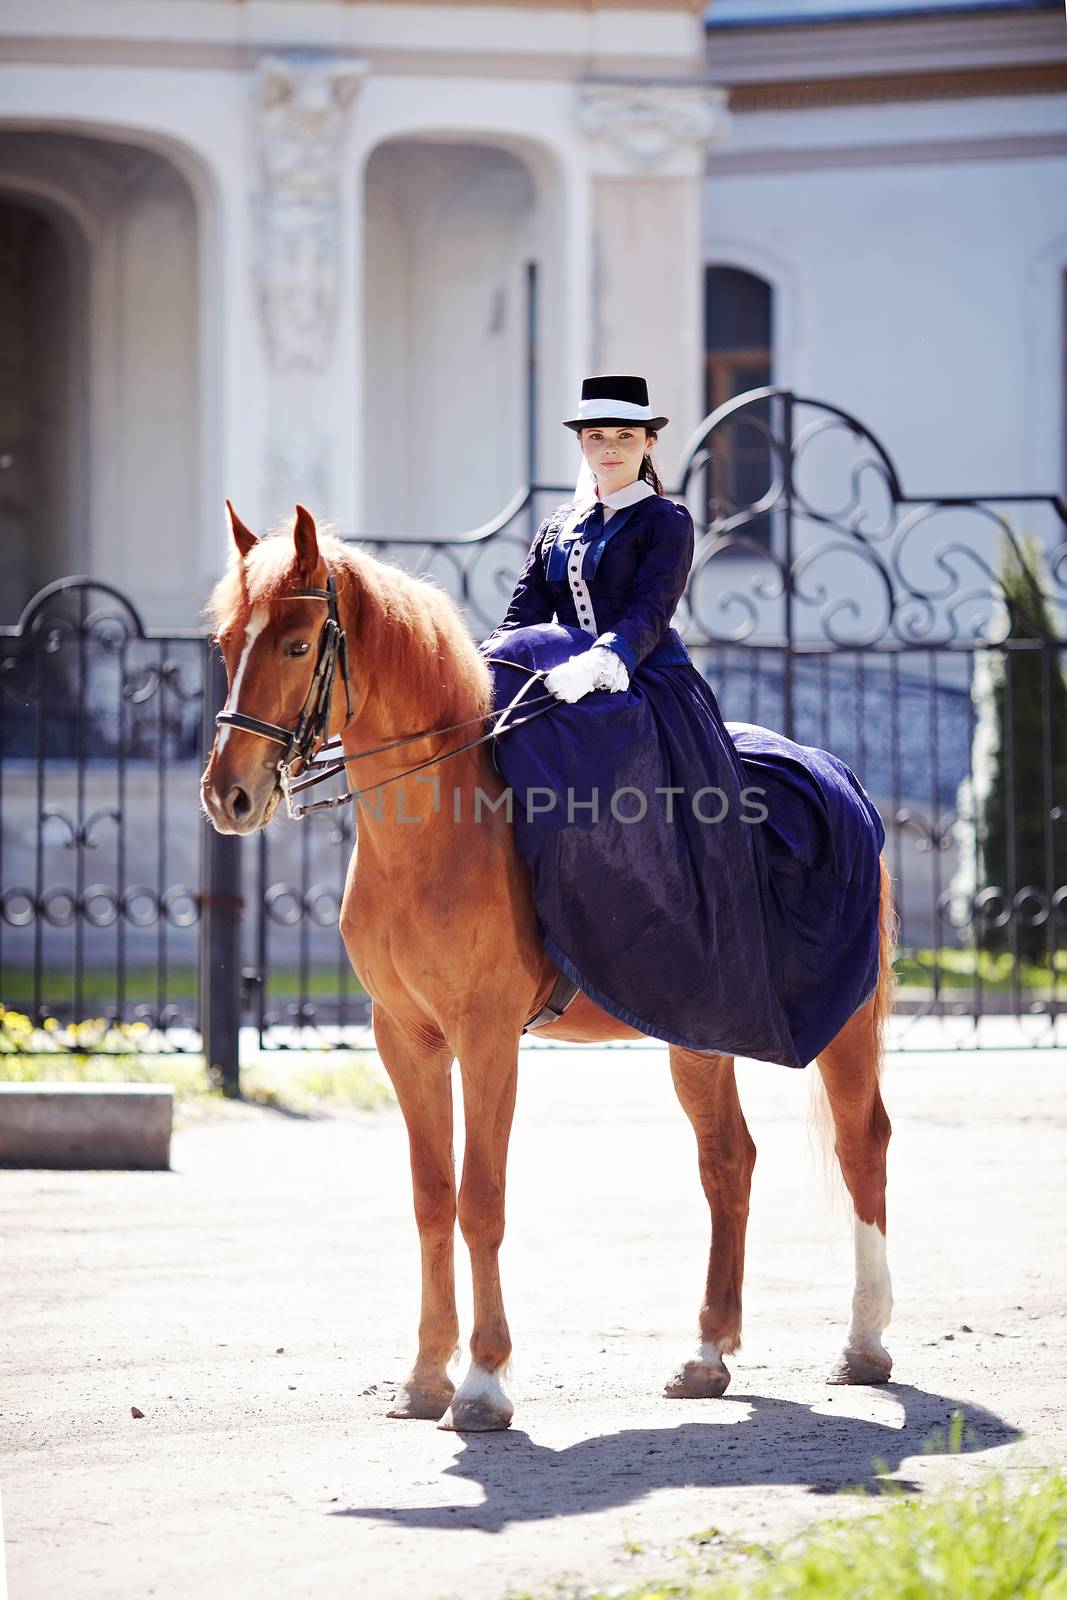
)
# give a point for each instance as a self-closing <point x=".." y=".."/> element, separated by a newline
<point x="314" y="718"/>
<point x="307" y="741"/>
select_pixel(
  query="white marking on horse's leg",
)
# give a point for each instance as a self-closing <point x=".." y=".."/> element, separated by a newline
<point x="478" y="1384"/>
<point x="256" y="623"/>
<point x="479" y="1403"/>
<point x="864" y="1358"/>
<point x="872" y="1299"/>
<point x="704" y="1376"/>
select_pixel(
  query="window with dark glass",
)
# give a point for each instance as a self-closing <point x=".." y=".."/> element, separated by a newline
<point x="738" y="346"/>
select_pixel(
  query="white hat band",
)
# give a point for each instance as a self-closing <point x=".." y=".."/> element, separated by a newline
<point x="606" y="407"/>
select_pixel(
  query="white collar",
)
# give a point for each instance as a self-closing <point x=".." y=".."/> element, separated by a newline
<point x="633" y="492"/>
<point x="618" y="499"/>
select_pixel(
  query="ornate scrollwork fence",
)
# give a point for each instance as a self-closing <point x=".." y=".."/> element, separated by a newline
<point x="100" y="882"/>
<point x="901" y="632"/>
<point x="909" y="635"/>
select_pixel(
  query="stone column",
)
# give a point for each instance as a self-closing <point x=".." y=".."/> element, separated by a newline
<point x="301" y="115"/>
<point x="646" y="297"/>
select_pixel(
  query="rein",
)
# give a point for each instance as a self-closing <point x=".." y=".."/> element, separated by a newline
<point x="312" y="724"/>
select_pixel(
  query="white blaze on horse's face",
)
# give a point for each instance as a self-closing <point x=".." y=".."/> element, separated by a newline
<point x="239" y="788"/>
<point x="256" y="623"/>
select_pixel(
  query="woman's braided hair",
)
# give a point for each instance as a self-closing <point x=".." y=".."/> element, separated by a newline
<point x="648" y="471"/>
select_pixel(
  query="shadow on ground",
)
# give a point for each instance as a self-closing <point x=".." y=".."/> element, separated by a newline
<point x="753" y="1441"/>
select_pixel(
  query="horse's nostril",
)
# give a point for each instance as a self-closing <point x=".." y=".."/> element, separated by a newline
<point x="240" y="804"/>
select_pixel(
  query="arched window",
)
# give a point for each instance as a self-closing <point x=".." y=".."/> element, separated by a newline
<point x="739" y="355"/>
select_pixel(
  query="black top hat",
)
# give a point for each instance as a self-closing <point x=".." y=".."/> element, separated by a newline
<point x="615" y="401"/>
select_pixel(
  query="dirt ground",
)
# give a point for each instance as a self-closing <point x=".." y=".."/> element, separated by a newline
<point x="259" y="1302"/>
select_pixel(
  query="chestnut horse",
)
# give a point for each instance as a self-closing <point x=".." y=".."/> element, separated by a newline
<point x="439" y="923"/>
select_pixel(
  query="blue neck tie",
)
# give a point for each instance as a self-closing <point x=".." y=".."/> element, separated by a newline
<point x="592" y="522"/>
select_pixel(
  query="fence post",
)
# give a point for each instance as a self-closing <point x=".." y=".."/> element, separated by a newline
<point x="221" y="904"/>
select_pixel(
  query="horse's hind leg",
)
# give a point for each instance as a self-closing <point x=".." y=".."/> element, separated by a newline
<point x="706" y="1087"/>
<point x="849" y="1068"/>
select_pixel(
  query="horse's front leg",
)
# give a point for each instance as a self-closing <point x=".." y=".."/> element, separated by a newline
<point x="489" y="1070"/>
<point x="421" y="1075"/>
<point x="707" y="1089"/>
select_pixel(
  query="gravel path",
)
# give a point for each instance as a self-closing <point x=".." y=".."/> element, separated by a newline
<point x="258" y="1302"/>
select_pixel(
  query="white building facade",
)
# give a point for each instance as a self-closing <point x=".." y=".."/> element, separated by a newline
<point x="361" y="254"/>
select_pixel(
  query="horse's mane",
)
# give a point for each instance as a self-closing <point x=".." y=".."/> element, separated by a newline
<point x="403" y="631"/>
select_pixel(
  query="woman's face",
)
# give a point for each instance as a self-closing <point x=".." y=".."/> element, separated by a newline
<point x="614" y="454"/>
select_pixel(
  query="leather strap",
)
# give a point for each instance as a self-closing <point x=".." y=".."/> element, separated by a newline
<point x="265" y="730"/>
<point x="563" y="992"/>
<point x="312" y="724"/>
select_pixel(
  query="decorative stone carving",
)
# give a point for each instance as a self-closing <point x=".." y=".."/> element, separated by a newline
<point x="301" y="107"/>
<point x="301" y="125"/>
<point x="647" y="125"/>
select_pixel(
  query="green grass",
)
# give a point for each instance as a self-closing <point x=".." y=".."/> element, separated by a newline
<point x="187" y="1073"/>
<point x="957" y="969"/>
<point x="180" y="983"/>
<point x="93" y="1052"/>
<point x="345" y="1079"/>
<point x="325" y="1081"/>
<point x="993" y="1542"/>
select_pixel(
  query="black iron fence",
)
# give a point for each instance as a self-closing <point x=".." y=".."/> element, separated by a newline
<point x="921" y="639"/>
<point x="99" y="879"/>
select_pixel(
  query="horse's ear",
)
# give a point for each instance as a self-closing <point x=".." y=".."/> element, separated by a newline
<point x="242" y="537"/>
<point x="306" y="539"/>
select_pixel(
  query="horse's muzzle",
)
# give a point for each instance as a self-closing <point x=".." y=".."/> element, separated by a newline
<point x="239" y="807"/>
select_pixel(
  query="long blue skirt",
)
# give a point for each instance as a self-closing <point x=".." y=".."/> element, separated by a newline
<point x="712" y="884"/>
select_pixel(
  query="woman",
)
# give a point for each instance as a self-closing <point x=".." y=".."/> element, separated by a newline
<point x="650" y="830"/>
<point x="621" y="553"/>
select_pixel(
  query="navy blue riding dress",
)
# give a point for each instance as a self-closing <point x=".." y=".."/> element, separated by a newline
<point x="714" y="885"/>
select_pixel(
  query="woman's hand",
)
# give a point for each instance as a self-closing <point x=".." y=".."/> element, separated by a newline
<point x="598" y="668"/>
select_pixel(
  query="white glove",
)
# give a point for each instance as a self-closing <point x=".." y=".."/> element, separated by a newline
<point x="611" y="669"/>
<point x="598" y="668"/>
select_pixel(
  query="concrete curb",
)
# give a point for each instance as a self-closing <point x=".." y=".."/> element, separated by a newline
<point x="86" y="1125"/>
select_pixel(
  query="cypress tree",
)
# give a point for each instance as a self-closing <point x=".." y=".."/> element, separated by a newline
<point x="1022" y="815"/>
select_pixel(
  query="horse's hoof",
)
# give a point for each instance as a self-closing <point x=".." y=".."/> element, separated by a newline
<point x="415" y="1403"/>
<point x="698" y="1380"/>
<point x="478" y="1414"/>
<point x="479" y="1405"/>
<point x="862" y="1366"/>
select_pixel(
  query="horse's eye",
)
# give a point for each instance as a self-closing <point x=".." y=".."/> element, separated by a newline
<point x="297" y="647"/>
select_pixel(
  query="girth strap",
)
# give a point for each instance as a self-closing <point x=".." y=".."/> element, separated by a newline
<point x="563" y="992"/>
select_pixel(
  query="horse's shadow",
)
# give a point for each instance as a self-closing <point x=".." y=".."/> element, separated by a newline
<point x="767" y="1442"/>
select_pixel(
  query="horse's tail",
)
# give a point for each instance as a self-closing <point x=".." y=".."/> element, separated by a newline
<point x="885" y="989"/>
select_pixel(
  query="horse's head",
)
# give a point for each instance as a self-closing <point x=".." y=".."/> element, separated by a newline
<point x="272" y="633"/>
